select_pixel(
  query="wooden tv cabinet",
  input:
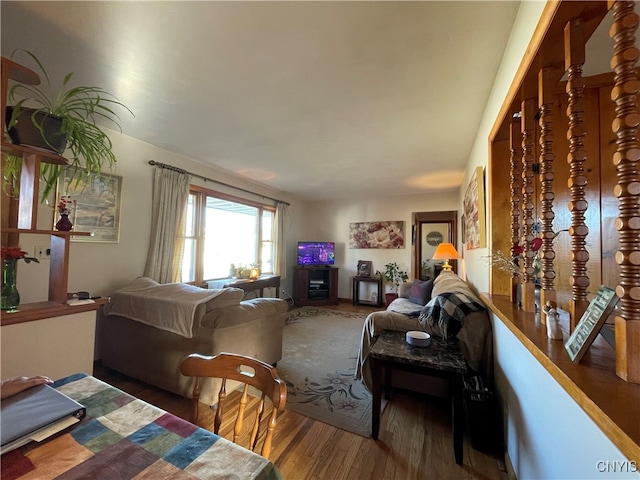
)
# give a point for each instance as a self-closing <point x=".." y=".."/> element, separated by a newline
<point x="315" y="286"/>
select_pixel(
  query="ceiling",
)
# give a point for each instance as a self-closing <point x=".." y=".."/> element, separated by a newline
<point x="317" y="99"/>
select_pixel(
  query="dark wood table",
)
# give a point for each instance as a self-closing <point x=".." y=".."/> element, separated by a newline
<point x="442" y="359"/>
<point x="356" y="290"/>
<point x="250" y="285"/>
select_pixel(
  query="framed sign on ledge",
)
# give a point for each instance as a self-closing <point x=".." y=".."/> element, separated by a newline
<point x="591" y="322"/>
<point x="97" y="205"/>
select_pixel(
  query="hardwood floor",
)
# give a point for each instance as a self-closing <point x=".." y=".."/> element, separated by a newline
<point x="415" y="438"/>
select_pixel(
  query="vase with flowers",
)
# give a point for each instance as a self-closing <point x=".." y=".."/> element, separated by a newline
<point x="65" y="207"/>
<point x="512" y="263"/>
<point x="10" y="298"/>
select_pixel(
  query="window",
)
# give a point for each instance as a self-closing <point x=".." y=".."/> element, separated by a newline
<point x="222" y="230"/>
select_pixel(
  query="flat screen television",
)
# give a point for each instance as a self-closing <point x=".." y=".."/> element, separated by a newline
<point x="316" y="253"/>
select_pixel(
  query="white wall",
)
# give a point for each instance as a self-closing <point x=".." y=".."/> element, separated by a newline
<point x="547" y="435"/>
<point x="101" y="268"/>
<point x="329" y="221"/>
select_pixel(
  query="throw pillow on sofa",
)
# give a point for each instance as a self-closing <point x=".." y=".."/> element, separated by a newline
<point x="420" y="291"/>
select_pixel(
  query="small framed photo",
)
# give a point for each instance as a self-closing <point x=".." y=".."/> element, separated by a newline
<point x="364" y="268"/>
<point x="591" y="322"/>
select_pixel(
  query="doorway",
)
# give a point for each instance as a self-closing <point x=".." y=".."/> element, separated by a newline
<point x="429" y="230"/>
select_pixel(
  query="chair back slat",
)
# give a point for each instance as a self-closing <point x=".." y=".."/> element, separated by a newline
<point x="250" y="372"/>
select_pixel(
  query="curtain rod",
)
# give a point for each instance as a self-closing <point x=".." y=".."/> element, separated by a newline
<point x="207" y="179"/>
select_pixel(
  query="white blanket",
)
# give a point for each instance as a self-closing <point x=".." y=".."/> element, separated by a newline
<point x="169" y="306"/>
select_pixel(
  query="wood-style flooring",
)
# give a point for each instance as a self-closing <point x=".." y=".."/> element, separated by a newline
<point x="415" y="439"/>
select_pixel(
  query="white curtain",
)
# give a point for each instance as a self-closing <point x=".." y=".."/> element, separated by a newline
<point x="168" y="216"/>
<point x="280" y="260"/>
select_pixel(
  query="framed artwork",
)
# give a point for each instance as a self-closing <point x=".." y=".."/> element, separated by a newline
<point x="97" y="205"/>
<point x="364" y="268"/>
<point x="474" y="214"/>
<point x="386" y="234"/>
<point x="591" y="322"/>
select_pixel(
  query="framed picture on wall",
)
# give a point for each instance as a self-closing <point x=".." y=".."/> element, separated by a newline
<point x="96" y="205"/>
<point x="364" y="268"/>
<point x="474" y="214"/>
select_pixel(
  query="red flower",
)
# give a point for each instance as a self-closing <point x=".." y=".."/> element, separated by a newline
<point x="65" y="204"/>
<point x="536" y="243"/>
<point x="16" y="253"/>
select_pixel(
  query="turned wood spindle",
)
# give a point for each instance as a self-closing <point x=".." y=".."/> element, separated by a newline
<point x="574" y="59"/>
<point x="548" y="78"/>
<point x="528" y="207"/>
<point x="627" y="189"/>
<point x="515" y="190"/>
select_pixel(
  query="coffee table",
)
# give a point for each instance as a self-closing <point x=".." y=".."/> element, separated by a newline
<point x="442" y="359"/>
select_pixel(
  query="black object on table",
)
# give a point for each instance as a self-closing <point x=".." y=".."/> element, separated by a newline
<point x="442" y="358"/>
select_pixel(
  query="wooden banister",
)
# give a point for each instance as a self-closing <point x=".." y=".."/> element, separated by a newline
<point x="627" y="190"/>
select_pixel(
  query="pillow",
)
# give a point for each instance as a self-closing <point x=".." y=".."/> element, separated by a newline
<point x="403" y="289"/>
<point x="420" y="291"/>
<point x="226" y="297"/>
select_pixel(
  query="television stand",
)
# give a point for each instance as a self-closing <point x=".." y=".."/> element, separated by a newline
<point x="315" y="285"/>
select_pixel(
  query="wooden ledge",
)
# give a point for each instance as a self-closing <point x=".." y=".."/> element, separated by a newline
<point x="30" y="312"/>
<point x="609" y="401"/>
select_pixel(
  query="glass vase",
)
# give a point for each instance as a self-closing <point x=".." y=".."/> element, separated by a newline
<point x="10" y="298"/>
<point x="64" y="224"/>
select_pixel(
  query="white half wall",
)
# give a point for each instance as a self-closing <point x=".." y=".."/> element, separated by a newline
<point x="548" y="435"/>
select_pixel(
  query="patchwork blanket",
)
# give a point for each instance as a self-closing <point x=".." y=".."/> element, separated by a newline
<point x="444" y="314"/>
<point x="123" y="437"/>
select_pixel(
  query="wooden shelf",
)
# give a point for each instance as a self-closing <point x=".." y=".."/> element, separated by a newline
<point x="30" y="312"/>
<point x="24" y="221"/>
<point x="46" y="156"/>
<point x="609" y="401"/>
<point x="46" y="232"/>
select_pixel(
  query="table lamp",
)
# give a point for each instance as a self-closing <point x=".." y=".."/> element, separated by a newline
<point x="446" y="252"/>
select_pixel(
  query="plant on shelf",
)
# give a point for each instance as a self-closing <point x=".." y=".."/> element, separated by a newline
<point x="394" y="275"/>
<point x="79" y="110"/>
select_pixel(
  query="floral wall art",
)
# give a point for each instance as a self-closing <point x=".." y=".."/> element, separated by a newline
<point x="474" y="216"/>
<point x="387" y="234"/>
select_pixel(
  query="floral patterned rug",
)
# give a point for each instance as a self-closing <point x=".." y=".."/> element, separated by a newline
<point x="318" y="365"/>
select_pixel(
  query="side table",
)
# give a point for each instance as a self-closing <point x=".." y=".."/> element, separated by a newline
<point x="356" y="290"/>
<point x="442" y="358"/>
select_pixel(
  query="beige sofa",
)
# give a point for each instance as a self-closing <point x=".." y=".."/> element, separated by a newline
<point x="135" y="337"/>
<point x="475" y="337"/>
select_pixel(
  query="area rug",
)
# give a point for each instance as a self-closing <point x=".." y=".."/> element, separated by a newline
<point x="318" y="365"/>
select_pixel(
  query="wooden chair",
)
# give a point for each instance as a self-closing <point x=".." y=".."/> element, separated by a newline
<point x="250" y="372"/>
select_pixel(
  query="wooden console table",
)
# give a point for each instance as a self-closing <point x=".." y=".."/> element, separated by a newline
<point x="441" y="359"/>
<point x="250" y="285"/>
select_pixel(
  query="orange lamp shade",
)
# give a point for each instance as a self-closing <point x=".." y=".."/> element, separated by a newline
<point x="446" y="252"/>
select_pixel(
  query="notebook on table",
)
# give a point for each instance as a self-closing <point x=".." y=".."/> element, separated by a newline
<point x="35" y="414"/>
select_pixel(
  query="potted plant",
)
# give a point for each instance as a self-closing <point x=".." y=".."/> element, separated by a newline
<point x="395" y="276"/>
<point x="73" y="114"/>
